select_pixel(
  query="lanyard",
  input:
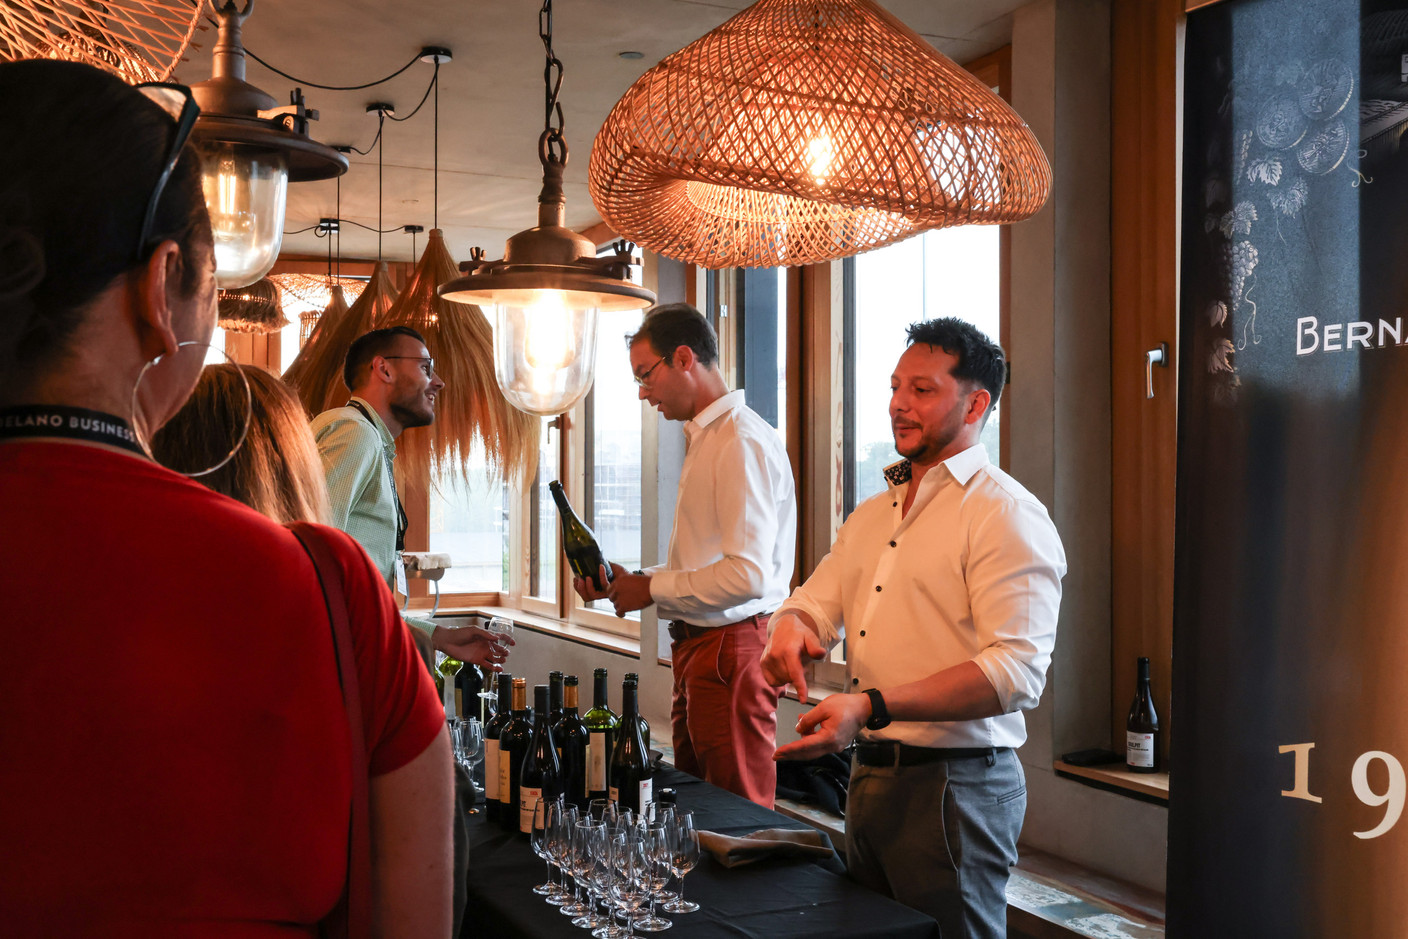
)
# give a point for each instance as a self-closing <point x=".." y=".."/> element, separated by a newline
<point x="402" y="522"/>
<point x="58" y="420"/>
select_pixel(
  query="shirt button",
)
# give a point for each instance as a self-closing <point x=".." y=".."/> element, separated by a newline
<point x="855" y="681"/>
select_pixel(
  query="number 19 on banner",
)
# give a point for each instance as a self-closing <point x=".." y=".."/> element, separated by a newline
<point x="1392" y="798"/>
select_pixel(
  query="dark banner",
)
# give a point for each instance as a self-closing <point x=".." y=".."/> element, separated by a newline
<point x="1290" y="698"/>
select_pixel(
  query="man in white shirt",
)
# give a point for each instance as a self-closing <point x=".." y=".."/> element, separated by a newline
<point x="947" y="586"/>
<point x="729" y="562"/>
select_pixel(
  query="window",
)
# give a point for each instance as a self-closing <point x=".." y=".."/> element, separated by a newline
<point x="950" y="272"/>
<point x="543" y="549"/>
<point x="469" y="521"/>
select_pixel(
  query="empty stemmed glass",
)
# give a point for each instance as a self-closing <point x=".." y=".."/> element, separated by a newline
<point x="547" y="812"/>
<point x="655" y="848"/>
<point x="589" y="864"/>
<point x="630" y="887"/>
<point x="683" y="856"/>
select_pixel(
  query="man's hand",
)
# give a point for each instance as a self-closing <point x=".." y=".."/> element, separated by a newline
<point x="473" y="645"/>
<point x="586" y="586"/>
<point x="791" y="648"/>
<point x="629" y="591"/>
<point x="828" y="727"/>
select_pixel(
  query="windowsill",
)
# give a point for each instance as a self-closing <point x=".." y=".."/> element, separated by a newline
<point x="572" y="632"/>
<point x="1147" y="787"/>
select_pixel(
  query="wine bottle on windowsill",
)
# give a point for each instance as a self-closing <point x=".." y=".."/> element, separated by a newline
<point x="1142" y="727"/>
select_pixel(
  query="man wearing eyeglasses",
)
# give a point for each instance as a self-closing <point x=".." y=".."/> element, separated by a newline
<point x="393" y="383"/>
<point x="729" y="563"/>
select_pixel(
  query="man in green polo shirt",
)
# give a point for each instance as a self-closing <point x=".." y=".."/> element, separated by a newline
<point x="393" y="383"/>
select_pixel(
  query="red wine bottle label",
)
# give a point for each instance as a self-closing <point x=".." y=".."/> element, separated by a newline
<point x="530" y="809"/>
<point x="1139" y="750"/>
<point x="615" y="794"/>
<point x="646" y="792"/>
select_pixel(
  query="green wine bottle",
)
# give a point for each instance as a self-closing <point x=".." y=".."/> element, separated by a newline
<point x="601" y="724"/>
<point x="580" y="545"/>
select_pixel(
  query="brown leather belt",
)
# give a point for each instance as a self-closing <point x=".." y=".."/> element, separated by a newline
<point x="680" y="630"/>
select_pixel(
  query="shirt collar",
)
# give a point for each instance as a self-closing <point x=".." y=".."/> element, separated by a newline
<point x="386" y="439"/>
<point x="716" y="409"/>
<point x="962" y="466"/>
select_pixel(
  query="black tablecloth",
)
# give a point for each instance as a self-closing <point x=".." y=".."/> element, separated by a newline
<point x="772" y="899"/>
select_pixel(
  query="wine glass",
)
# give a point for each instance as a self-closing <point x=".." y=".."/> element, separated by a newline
<point x="544" y="810"/>
<point x="587" y="846"/>
<point x="684" y="856"/>
<point x="559" y="837"/>
<point x="655" y="874"/>
<point x="630" y="887"/>
<point x="602" y="810"/>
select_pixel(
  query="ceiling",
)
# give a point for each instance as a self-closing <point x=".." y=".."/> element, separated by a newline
<point x="490" y="98"/>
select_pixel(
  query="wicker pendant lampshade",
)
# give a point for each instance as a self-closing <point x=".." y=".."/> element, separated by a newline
<point x="253" y="309"/>
<point x="801" y="131"/>
<point x="308" y="295"/>
<point x="316" y="374"/>
<point x="470" y="405"/>
<point x="139" y="40"/>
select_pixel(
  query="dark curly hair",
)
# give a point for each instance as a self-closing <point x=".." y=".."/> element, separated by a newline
<point x="980" y="360"/>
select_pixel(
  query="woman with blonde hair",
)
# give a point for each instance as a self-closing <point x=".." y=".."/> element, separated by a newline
<point x="275" y="471"/>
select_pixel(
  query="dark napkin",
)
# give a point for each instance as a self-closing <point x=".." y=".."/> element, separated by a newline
<point x="735" y="851"/>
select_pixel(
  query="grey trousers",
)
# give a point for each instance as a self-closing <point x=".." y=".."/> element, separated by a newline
<point x="940" y="838"/>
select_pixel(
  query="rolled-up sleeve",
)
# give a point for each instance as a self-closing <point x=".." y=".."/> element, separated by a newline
<point x="1014" y="573"/>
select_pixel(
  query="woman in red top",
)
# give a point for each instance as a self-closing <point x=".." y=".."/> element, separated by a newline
<point x="173" y="748"/>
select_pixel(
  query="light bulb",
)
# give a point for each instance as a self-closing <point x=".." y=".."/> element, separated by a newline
<point x="245" y="192"/>
<point x="547" y="345"/>
<point x="821" y="153"/>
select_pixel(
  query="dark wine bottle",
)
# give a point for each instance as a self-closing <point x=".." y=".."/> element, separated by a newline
<point x="634" y="679"/>
<point x="1141" y="752"/>
<point x="513" y="746"/>
<point x="492" y="732"/>
<point x="540" y="776"/>
<point x="570" y="737"/>
<point x="602" y="723"/>
<point x="630" y="764"/>
<point x="554" y="698"/>
<point x="580" y="545"/>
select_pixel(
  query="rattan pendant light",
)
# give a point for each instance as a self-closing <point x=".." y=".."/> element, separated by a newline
<point x="316" y="374"/>
<point x="254" y="309"/>
<point x="470" y="406"/>
<point x="139" y="40"/>
<point x="801" y="131"/>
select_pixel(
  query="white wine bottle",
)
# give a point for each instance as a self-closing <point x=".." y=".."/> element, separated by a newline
<point x="578" y="543"/>
<point x="1141" y="753"/>
<point x="602" y="724"/>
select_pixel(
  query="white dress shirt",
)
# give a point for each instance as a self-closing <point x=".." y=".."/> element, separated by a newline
<point x="972" y="573"/>
<point x="735" y="535"/>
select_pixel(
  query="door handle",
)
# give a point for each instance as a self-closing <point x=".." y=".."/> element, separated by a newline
<point x="1154" y="357"/>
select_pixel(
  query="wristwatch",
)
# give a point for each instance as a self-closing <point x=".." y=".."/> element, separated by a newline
<point x="879" y="714"/>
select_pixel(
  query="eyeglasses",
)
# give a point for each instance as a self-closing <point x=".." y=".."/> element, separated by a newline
<point x="643" y="379"/>
<point x="427" y="363"/>
<point x="175" y="100"/>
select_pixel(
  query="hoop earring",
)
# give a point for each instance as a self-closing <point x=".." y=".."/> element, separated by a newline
<point x="139" y="426"/>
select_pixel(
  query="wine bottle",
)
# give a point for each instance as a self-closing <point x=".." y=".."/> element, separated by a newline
<point x="513" y="746"/>
<point x="602" y="723"/>
<point x="570" y="737"/>
<point x="1141" y="754"/>
<point x="630" y="765"/>
<point x="554" y="698"/>
<point x="580" y="545"/>
<point x="540" y="775"/>
<point x="634" y="679"/>
<point x="492" y="732"/>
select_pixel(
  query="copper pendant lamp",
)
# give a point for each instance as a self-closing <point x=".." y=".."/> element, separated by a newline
<point x="802" y="131"/>
<point x="139" y="40"/>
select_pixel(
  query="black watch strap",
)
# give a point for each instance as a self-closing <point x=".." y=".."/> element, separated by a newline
<point x="879" y="714"/>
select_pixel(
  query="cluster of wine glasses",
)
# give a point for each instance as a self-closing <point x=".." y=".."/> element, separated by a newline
<point x="621" y="866"/>
<point x="467" y="741"/>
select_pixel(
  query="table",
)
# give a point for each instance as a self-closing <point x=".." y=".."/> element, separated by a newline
<point x="771" y="899"/>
